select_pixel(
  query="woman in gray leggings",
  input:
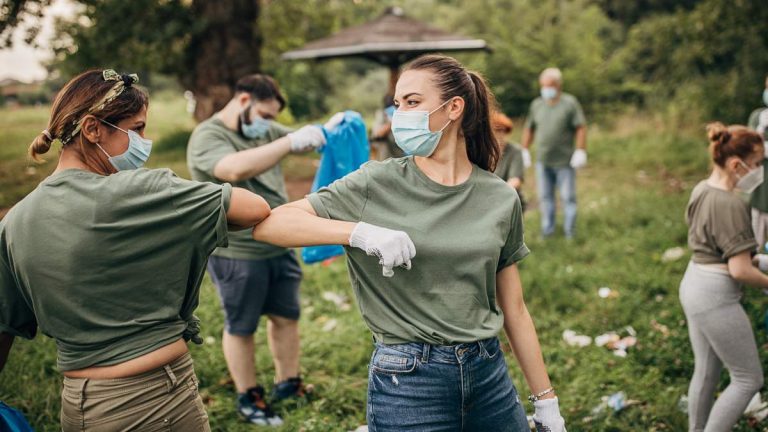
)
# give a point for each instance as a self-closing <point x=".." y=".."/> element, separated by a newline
<point x="720" y="236"/>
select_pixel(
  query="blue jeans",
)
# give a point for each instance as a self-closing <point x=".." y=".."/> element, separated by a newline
<point x="564" y="179"/>
<point x="422" y="387"/>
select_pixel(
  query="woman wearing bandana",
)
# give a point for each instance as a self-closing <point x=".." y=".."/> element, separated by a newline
<point x="436" y="289"/>
<point x="721" y="239"/>
<point x="107" y="258"/>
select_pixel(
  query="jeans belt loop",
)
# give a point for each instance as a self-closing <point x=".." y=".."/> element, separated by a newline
<point x="172" y="377"/>
<point x="425" y="353"/>
<point x="81" y="402"/>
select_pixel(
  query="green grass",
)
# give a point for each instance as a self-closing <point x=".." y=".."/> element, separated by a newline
<point x="632" y="198"/>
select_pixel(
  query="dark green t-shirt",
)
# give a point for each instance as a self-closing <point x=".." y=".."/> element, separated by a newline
<point x="719" y="225"/>
<point x="210" y="142"/>
<point x="759" y="198"/>
<point x="510" y="164"/>
<point x="554" y="129"/>
<point x="108" y="266"/>
<point x="463" y="234"/>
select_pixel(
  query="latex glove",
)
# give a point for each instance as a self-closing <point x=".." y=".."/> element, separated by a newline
<point x="547" y="416"/>
<point x="394" y="248"/>
<point x="526" y="158"/>
<point x="307" y="138"/>
<point x="334" y="121"/>
<point x="579" y="159"/>
<point x="762" y="262"/>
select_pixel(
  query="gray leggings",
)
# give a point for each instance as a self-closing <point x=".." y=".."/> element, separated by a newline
<point x="721" y="334"/>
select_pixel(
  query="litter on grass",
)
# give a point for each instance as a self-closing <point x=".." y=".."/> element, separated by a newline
<point x="672" y="254"/>
<point x="574" y="339"/>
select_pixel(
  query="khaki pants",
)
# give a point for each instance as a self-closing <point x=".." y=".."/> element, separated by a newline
<point x="165" y="399"/>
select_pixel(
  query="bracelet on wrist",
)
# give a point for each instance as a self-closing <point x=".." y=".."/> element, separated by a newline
<point x="537" y="396"/>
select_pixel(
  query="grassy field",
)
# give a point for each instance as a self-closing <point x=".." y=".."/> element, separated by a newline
<point x="632" y="198"/>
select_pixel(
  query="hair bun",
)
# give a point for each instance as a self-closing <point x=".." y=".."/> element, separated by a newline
<point x="718" y="134"/>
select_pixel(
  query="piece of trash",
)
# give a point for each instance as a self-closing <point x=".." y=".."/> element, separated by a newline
<point x="573" y="339"/>
<point x="606" y="338"/>
<point x="623" y="343"/>
<point x="661" y="328"/>
<point x="672" y="254"/>
<point x="620" y="353"/>
<point x="210" y="340"/>
<point x="630" y="330"/>
<point x="682" y="404"/>
<point x="616" y="402"/>
<point x="604" y="292"/>
<point x="659" y="298"/>
<point x="339" y="300"/>
<point x="757" y="409"/>
<point x="330" y="325"/>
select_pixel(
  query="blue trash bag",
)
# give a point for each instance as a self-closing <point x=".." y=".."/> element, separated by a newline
<point x="346" y="148"/>
<point x="12" y="420"/>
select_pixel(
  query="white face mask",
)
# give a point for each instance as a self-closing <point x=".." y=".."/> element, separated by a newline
<point x="751" y="180"/>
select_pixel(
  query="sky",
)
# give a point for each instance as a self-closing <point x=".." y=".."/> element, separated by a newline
<point x="23" y="62"/>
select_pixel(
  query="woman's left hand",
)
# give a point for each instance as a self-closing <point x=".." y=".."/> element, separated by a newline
<point x="547" y="416"/>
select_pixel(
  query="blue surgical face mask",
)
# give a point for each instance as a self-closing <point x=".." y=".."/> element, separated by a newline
<point x="256" y="129"/>
<point x="135" y="156"/>
<point x="412" y="134"/>
<point x="548" y="93"/>
<point x="765" y="97"/>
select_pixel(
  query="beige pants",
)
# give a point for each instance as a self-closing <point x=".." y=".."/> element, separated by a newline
<point x="760" y="228"/>
<point x="165" y="399"/>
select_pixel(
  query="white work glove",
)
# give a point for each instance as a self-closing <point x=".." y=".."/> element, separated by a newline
<point x="334" y="121"/>
<point x="547" y="416"/>
<point x="762" y="262"/>
<point x="394" y="248"/>
<point x="307" y="138"/>
<point x="579" y="159"/>
<point x="526" y="158"/>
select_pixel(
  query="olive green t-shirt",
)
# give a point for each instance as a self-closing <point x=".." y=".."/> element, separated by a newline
<point x="554" y="129"/>
<point x="719" y="225"/>
<point x="109" y="266"/>
<point x="210" y="142"/>
<point x="510" y="164"/>
<point x="759" y="198"/>
<point x="463" y="234"/>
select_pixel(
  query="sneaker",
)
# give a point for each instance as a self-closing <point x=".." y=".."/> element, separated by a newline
<point x="254" y="409"/>
<point x="292" y="388"/>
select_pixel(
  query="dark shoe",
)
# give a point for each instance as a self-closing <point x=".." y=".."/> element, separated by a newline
<point x="254" y="409"/>
<point x="292" y="388"/>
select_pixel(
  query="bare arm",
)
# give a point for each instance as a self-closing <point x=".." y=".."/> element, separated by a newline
<point x="245" y="164"/>
<point x="296" y="224"/>
<point x="515" y="182"/>
<point x="246" y="209"/>
<point x="527" y="139"/>
<point x="581" y="137"/>
<point x="6" y="342"/>
<point x="519" y="328"/>
<point x="741" y="268"/>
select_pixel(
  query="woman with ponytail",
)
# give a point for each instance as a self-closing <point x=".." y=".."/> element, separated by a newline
<point x="107" y="258"/>
<point x="437" y="362"/>
<point x="721" y="239"/>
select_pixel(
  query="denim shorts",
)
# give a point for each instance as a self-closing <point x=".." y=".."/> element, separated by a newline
<point x="249" y="289"/>
<point x="423" y="387"/>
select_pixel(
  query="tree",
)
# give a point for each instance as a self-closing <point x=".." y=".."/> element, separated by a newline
<point x="206" y="45"/>
<point x="15" y="13"/>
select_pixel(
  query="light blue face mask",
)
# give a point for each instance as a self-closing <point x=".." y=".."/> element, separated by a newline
<point x="135" y="156"/>
<point x="548" y="93"/>
<point x="412" y="134"/>
<point x="256" y="129"/>
<point x="765" y="97"/>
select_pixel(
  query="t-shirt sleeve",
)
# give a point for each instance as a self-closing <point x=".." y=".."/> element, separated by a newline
<point x="516" y="167"/>
<point x="206" y="148"/>
<point x="277" y="131"/>
<point x="514" y="249"/>
<point x="732" y="229"/>
<point x="343" y="199"/>
<point x="202" y="207"/>
<point x="530" y="122"/>
<point x="577" y="117"/>
<point x="16" y="315"/>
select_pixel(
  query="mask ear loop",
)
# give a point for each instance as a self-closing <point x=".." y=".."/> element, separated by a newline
<point x="449" y="120"/>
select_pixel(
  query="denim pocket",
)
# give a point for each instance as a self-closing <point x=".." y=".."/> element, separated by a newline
<point x="390" y="361"/>
<point x="492" y="348"/>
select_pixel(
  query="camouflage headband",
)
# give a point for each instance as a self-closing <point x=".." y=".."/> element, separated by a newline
<point x="122" y="82"/>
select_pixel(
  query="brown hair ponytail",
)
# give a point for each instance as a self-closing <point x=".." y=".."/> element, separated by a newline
<point x="729" y="141"/>
<point x="76" y="99"/>
<point x="454" y="80"/>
